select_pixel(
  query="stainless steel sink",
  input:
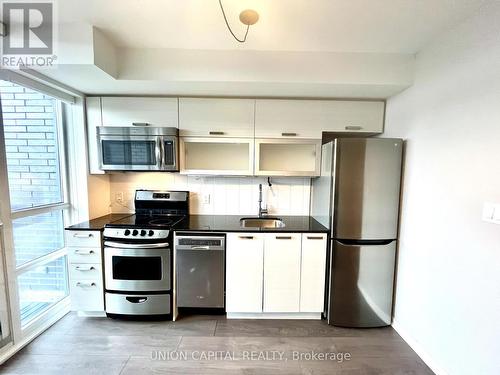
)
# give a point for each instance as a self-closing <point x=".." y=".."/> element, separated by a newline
<point x="261" y="222"/>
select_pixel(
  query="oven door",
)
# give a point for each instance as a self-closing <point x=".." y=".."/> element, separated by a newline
<point x="132" y="269"/>
<point x="130" y="153"/>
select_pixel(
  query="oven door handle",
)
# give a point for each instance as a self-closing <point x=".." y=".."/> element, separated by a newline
<point x="120" y="245"/>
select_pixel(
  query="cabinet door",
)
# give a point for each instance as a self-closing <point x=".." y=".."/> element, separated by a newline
<point x="244" y="267"/>
<point x="282" y="272"/>
<point x="313" y="271"/>
<point x="309" y="118"/>
<point x="135" y="111"/>
<point x="94" y="119"/>
<point x="287" y="157"/>
<point x="217" y="156"/>
<point x="216" y="117"/>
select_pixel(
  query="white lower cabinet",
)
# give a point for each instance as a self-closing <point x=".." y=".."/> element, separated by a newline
<point x="85" y="272"/>
<point x="244" y="267"/>
<point x="313" y="271"/>
<point x="275" y="274"/>
<point x="282" y="272"/>
<point x="87" y="296"/>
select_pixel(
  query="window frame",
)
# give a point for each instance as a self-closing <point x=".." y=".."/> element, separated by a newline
<point x="27" y="331"/>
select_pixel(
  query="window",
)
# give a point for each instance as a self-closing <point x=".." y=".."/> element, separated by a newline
<point x="41" y="287"/>
<point x="31" y="145"/>
<point x="34" y="150"/>
<point x="37" y="235"/>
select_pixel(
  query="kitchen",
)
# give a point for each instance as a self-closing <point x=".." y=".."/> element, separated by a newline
<point x="266" y="204"/>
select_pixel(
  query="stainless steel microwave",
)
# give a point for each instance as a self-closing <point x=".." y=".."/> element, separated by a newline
<point x="138" y="149"/>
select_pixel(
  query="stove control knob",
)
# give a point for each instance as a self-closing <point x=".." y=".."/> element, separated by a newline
<point x="127" y="232"/>
<point x="143" y="233"/>
<point x="134" y="232"/>
<point x="151" y="233"/>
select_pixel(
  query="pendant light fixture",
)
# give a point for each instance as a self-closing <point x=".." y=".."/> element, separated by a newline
<point x="248" y="17"/>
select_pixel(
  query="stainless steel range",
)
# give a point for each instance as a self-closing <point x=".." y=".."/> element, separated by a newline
<point x="138" y="255"/>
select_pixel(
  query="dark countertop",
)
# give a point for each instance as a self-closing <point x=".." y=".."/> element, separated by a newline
<point x="97" y="223"/>
<point x="231" y="223"/>
<point x="215" y="223"/>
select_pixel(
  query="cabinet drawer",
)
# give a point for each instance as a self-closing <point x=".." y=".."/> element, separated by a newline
<point x="87" y="295"/>
<point x="83" y="238"/>
<point x="85" y="271"/>
<point x="84" y="255"/>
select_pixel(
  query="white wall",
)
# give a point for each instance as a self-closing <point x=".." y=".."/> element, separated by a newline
<point x="448" y="285"/>
<point x="228" y="195"/>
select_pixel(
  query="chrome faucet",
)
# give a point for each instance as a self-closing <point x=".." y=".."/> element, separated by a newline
<point x="262" y="211"/>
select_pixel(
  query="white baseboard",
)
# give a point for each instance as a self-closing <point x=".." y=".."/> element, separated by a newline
<point x="305" y="316"/>
<point x="422" y="353"/>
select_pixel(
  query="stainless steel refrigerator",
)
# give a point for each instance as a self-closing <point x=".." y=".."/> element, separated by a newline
<point x="357" y="197"/>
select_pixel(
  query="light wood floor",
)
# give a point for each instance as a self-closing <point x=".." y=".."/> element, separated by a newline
<point x="77" y="345"/>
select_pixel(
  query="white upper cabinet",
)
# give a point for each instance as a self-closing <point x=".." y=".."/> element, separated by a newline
<point x="216" y="117"/>
<point x="137" y="111"/>
<point x="94" y="119"/>
<point x="287" y="157"/>
<point x="217" y="156"/>
<point x="309" y="118"/>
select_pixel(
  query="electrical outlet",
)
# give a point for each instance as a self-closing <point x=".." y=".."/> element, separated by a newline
<point x="491" y="213"/>
<point x="206" y="198"/>
<point x="119" y="197"/>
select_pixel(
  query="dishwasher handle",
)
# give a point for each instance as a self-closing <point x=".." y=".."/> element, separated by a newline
<point x="199" y="248"/>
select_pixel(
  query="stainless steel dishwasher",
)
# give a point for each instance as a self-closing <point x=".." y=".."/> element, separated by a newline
<point x="200" y="270"/>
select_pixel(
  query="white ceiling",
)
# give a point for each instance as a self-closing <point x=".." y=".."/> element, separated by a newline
<point x="395" y="26"/>
<point x="300" y="48"/>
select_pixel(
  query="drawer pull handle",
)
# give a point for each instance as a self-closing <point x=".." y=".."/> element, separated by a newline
<point x="246" y="237"/>
<point x="89" y="235"/>
<point x="84" y="269"/>
<point x="288" y="134"/>
<point x="136" y="299"/>
<point x="314" y="238"/>
<point x="140" y="124"/>
<point x="353" y="127"/>
<point x="86" y="285"/>
<point x="216" y="133"/>
<point x="83" y="252"/>
<point x="283" y="237"/>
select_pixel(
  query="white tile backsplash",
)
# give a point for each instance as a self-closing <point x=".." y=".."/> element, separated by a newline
<point x="218" y="195"/>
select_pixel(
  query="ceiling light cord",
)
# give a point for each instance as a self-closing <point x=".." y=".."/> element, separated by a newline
<point x="229" y="27"/>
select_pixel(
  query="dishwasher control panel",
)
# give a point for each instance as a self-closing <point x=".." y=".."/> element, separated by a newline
<point x="200" y="242"/>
